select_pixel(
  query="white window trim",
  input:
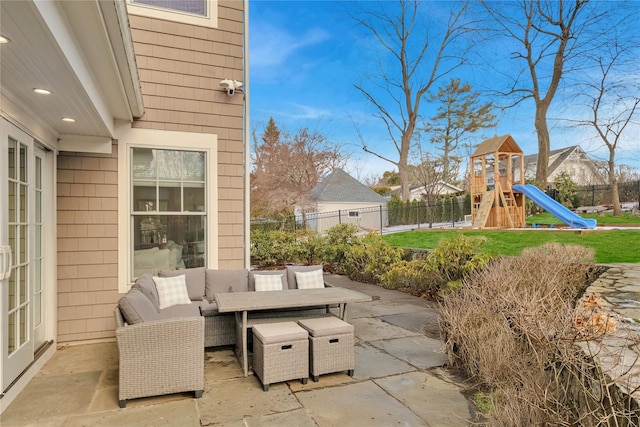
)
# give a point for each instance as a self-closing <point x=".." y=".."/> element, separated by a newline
<point x="210" y="21"/>
<point x="132" y="137"/>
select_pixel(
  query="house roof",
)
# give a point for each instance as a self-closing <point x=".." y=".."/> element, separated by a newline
<point x="504" y="143"/>
<point x="561" y="153"/>
<point x="339" y="186"/>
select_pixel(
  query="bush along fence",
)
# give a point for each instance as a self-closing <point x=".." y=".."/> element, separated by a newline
<point x="450" y="210"/>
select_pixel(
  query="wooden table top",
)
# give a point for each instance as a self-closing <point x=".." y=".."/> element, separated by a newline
<point x="291" y="298"/>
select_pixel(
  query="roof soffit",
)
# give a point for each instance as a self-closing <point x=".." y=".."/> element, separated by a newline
<point x="65" y="47"/>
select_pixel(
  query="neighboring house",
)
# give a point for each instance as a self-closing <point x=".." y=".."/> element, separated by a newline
<point x="133" y="161"/>
<point x="418" y="192"/>
<point x="339" y="198"/>
<point x="572" y="160"/>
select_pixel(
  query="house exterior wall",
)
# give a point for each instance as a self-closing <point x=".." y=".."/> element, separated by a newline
<point x="180" y="67"/>
<point x="87" y="192"/>
<point x="331" y="214"/>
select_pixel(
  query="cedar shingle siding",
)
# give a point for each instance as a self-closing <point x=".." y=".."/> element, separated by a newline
<point x="180" y="67"/>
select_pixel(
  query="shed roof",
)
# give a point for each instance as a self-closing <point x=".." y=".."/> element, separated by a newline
<point x="339" y="186"/>
<point x="504" y="143"/>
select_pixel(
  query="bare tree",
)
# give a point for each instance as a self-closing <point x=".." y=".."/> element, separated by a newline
<point x="550" y="34"/>
<point x="612" y="104"/>
<point x="286" y="167"/>
<point x="429" y="173"/>
<point x="419" y="60"/>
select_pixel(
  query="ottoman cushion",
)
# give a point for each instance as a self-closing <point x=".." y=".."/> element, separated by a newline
<point x="326" y="326"/>
<point x="272" y="333"/>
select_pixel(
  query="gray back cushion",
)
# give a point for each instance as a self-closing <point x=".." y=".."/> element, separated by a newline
<point x="147" y="286"/>
<point x="291" y="273"/>
<point x="220" y="281"/>
<point x="252" y="280"/>
<point x="136" y="307"/>
<point x="195" y="280"/>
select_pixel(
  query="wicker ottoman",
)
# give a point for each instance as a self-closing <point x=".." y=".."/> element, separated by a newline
<point x="331" y="345"/>
<point x="280" y="353"/>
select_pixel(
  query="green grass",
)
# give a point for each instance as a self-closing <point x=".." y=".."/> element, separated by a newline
<point x="610" y="246"/>
<point x="605" y="219"/>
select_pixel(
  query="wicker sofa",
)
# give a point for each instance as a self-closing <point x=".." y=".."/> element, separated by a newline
<point x="161" y="350"/>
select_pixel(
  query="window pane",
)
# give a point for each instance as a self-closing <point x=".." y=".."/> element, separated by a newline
<point x="193" y="166"/>
<point x="144" y="196"/>
<point x="168" y="242"/>
<point x="143" y="163"/>
<point x="196" y="7"/>
<point x="169" y="164"/>
<point x="194" y="197"/>
<point x="169" y="195"/>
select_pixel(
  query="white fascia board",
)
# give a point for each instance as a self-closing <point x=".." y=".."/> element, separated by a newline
<point x="60" y="29"/>
<point x="85" y="144"/>
<point x="119" y="32"/>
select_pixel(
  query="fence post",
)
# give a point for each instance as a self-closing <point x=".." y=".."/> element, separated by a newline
<point x="381" y="220"/>
<point x="453" y="215"/>
<point x="339" y="216"/>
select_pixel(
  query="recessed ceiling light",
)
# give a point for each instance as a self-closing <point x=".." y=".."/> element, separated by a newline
<point x="68" y="120"/>
<point x="41" y="91"/>
<point x="4" y="40"/>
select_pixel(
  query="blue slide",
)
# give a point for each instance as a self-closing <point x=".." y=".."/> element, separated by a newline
<point x="572" y="219"/>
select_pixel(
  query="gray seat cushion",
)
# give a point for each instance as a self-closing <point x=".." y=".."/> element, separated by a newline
<point x="147" y="286"/>
<point x="136" y="308"/>
<point x="208" y="308"/>
<point x="181" y="310"/>
<point x="194" y="277"/>
<point x="220" y="281"/>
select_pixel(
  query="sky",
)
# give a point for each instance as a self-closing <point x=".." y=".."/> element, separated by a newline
<point x="306" y="56"/>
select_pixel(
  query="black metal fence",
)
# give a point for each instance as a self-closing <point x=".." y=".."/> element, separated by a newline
<point x="595" y="195"/>
<point x="448" y="211"/>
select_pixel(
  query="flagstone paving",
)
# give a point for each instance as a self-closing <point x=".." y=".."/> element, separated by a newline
<point x="400" y="377"/>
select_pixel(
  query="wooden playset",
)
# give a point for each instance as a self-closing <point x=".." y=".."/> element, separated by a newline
<point x="497" y="165"/>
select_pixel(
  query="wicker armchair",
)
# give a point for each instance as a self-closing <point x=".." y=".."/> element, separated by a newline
<point x="160" y="357"/>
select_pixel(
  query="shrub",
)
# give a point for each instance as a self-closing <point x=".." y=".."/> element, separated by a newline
<point x="441" y="270"/>
<point x="511" y="328"/>
<point x="406" y="275"/>
<point x="277" y="247"/>
<point x="369" y="260"/>
<point x="338" y="242"/>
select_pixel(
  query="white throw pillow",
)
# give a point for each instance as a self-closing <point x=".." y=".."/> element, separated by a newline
<point x="309" y="279"/>
<point x="171" y="291"/>
<point x="268" y="282"/>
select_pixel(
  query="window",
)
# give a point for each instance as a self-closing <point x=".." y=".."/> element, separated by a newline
<point x="168" y="209"/>
<point x="167" y="201"/>
<point x="195" y="12"/>
<point x="194" y="7"/>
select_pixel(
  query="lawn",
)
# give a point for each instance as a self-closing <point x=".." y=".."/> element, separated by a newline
<point x="627" y="218"/>
<point x="610" y="246"/>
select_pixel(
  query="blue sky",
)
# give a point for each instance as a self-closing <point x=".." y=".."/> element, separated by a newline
<point x="306" y="56"/>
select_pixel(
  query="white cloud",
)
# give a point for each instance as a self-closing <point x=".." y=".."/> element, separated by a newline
<point x="273" y="47"/>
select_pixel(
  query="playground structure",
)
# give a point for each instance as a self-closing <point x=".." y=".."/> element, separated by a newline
<point x="496" y="166"/>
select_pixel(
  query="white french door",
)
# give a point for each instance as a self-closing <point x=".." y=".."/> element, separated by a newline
<point x="24" y="197"/>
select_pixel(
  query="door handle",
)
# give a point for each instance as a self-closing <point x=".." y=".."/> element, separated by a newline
<point x="7" y="261"/>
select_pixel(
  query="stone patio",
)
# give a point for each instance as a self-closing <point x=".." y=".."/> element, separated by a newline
<point x="399" y="380"/>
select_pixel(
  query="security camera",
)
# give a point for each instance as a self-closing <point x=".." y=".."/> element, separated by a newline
<point x="231" y="86"/>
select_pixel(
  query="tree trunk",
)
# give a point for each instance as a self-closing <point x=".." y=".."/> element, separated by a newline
<point x="613" y="183"/>
<point x="544" y="144"/>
